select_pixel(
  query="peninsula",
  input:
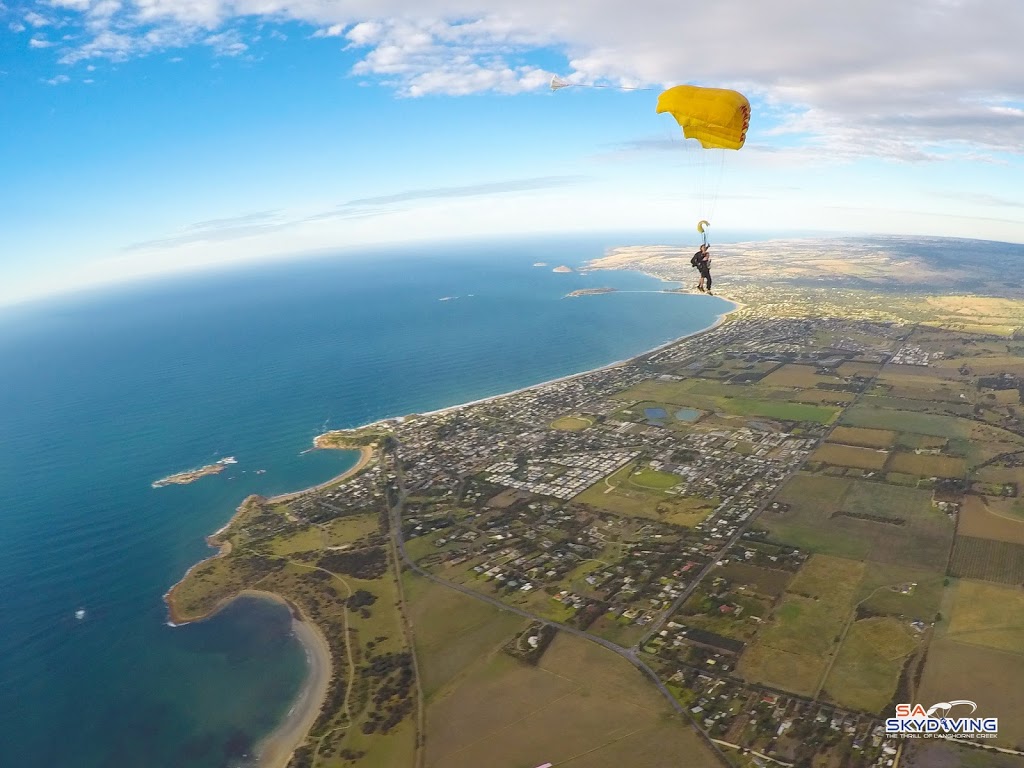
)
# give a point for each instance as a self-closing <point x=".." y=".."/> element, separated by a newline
<point x="191" y="475"/>
<point x="822" y="488"/>
<point x="590" y="292"/>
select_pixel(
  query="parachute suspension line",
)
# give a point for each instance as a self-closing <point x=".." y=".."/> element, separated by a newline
<point x="717" y="172"/>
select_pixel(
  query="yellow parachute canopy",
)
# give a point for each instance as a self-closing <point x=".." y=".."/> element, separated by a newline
<point x="716" y="117"/>
<point x="701" y="224"/>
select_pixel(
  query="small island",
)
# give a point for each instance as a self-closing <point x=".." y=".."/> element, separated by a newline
<point x="562" y="268"/>
<point x="540" y="264"/>
<point x="191" y="475"/>
<point x="590" y="292"/>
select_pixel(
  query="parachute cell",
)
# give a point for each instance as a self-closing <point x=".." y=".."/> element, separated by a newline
<point x="716" y="117"/>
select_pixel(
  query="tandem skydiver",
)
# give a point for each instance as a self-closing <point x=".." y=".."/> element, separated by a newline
<point x="701" y="261"/>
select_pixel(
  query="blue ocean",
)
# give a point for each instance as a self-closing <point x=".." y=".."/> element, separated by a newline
<point x="102" y="393"/>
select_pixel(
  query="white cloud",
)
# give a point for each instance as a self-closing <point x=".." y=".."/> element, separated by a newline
<point x="335" y="30"/>
<point x="38" y="42"/>
<point x="914" y="80"/>
<point x="58" y="80"/>
<point x="226" y="44"/>
<point x="16" y="27"/>
<point x="36" y="19"/>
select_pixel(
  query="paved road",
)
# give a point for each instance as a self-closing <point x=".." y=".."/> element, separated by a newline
<point x="630" y="654"/>
<point x="745" y="526"/>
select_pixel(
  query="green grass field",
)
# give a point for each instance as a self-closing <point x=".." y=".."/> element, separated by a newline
<point x="871" y="417"/>
<point x="621" y="494"/>
<point x="867" y="438"/>
<point x="814" y="521"/>
<point x="452" y="631"/>
<point x="992" y="678"/>
<point x="571" y="423"/>
<point x="581" y="705"/>
<point x="921" y="603"/>
<point x="850" y="456"/>
<point x="867" y="669"/>
<point x="791" y="653"/>
<point x="988" y="614"/>
<point x="926" y="465"/>
<point x="653" y="479"/>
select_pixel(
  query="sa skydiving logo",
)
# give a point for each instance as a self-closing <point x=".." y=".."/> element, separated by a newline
<point x="916" y="722"/>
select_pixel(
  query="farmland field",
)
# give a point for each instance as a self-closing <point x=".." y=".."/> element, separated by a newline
<point x="988" y="614"/>
<point x="927" y="465"/>
<point x="867" y="669"/>
<point x="879" y="499"/>
<point x="858" y="369"/>
<point x="453" y="631"/>
<point x="867" y="438"/>
<point x="813" y="521"/>
<point x="903" y="421"/>
<point x="922" y="602"/>
<point x="761" y="580"/>
<point x="790" y="375"/>
<point x="791" y="653"/>
<point x="580" y="705"/>
<point x="998" y="561"/>
<point x="991" y="517"/>
<point x="850" y="456"/>
<point x="992" y="678"/>
<point x="939" y="753"/>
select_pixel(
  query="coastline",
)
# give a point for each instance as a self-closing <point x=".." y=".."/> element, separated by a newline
<point x="737" y="306"/>
<point x="276" y="749"/>
<point x="366" y="455"/>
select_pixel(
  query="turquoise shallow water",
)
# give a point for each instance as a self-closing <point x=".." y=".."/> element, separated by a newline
<point x="101" y="394"/>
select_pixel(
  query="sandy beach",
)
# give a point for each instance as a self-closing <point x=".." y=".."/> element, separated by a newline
<point x="366" y="454"/>
<point x="276" y="749"/>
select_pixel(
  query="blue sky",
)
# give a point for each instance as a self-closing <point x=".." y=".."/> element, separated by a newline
<point x="145" y="136"/>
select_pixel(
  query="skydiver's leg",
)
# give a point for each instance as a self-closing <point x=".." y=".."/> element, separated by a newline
<point x="707" y="276"/>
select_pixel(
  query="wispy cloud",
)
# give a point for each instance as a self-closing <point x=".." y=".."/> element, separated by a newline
<point x="265" y="222"/>
<point x="470" y="190"/>
<point x="214" y="230"/>
<point x="58" y="80"/>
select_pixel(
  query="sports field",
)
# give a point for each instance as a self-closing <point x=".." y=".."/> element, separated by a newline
<point x="636" y="491"/>
<point x="571" y="423"/>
